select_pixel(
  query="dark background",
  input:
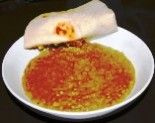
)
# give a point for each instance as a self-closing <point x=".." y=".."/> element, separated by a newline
<point x="137" y="16"/>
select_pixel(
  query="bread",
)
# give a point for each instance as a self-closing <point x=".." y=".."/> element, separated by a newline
<point x="93" y="19"/>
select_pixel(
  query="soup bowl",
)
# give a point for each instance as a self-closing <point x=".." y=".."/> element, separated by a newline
<point x="16" y="59"/>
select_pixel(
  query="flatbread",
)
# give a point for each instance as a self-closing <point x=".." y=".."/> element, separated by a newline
<point x="90" y="20"/>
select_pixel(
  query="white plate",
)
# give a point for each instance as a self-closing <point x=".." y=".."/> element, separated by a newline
<point x="134" y="48"/>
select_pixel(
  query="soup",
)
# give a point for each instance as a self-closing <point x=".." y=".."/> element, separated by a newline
<point x="79" y="78"/>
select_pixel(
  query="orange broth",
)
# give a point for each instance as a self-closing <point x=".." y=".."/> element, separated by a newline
<point x="83" y="78"/>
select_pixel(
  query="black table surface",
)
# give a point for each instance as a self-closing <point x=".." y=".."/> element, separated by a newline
<point x="137" y="16"/>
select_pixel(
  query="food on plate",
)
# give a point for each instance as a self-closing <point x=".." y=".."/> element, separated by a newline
<point x="70" y="73"/>
<point x="81" y="78"/>
<point x="93" y="19"/>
